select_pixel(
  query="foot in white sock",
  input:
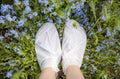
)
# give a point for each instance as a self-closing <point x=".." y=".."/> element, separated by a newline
<point x="73" y="45"/>
<point x="47" y="47"/>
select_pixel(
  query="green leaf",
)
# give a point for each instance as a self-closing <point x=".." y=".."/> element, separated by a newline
<point x="92" y="6"/>
<point x="104" y="12"/>
<point x="17" y="74"/>
<point x="61" y="14"/>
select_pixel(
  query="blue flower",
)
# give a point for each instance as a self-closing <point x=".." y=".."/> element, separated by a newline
<point x="16" y="49"/>
<point x="108" y="33"/>
<point x="13" y="12"/>
<point x="21" y="22"/>
<point x="35" y="13"/>
<point x="4" y="8"/>
<point x="68" y="14"/>
<point x="103" y="18"/>
<point x="2" y="19"/>
<point x="11" y="62"/>
<point x="3" y="64"/>
<point x="9" y="74"/>
<point x="104" y="42"/>
<point x="44" y="11"/>
<point x="50" y="8"/>
<point x="73" y="6"/>
<point x="91" y="33"/>
<point x="27" y="10"/>
<point x="94" y="67"/>
<point x="70" y="0"/>
<point x="87" y="57"/>
<point x="23" y="33"/>
<point x="14" y="18"/>
<point x="8" y="17"/>
<point x="118" y="27"/>
<point x="100" y="29"/>
<point x="61" y="31"/>
<point x="16" y="68"/>
<point x="67" y="19"/>
<point x="114" y="31"/>
<point x="119" y="62"/>
<point x="99" y="48"/>
<point x="26" y="2"/>
<point x="59" y="20"/>
<point x="19" y="53"/>
<point x="15" y="33"/>
<point x="38" y="24"/>
<point x="30" y="16"/>
<point x="54" y="13"/>
<point x="7" y="9"/>
<point x="17" y="2"/>
<point x="1" y="38"/>
<point x="50" y="20"/>
<point x="7" y="46"/>
<point x="43" y="2"/>
<point x="82" y="3"/>
<point x="78" y="12"/>
<point x="31" y="68"/>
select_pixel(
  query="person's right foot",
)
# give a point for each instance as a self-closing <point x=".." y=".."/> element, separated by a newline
<point x="47" y="46"/>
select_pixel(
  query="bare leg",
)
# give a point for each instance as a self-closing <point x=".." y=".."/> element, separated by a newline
<point x="47" y="73"/>
<point x="73" y="72"/>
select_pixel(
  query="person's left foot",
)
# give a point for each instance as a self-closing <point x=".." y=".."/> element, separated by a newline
<point x="73" y="45"/>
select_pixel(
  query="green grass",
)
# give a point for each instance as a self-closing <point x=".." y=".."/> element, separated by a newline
<point x="97" y="64"/>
